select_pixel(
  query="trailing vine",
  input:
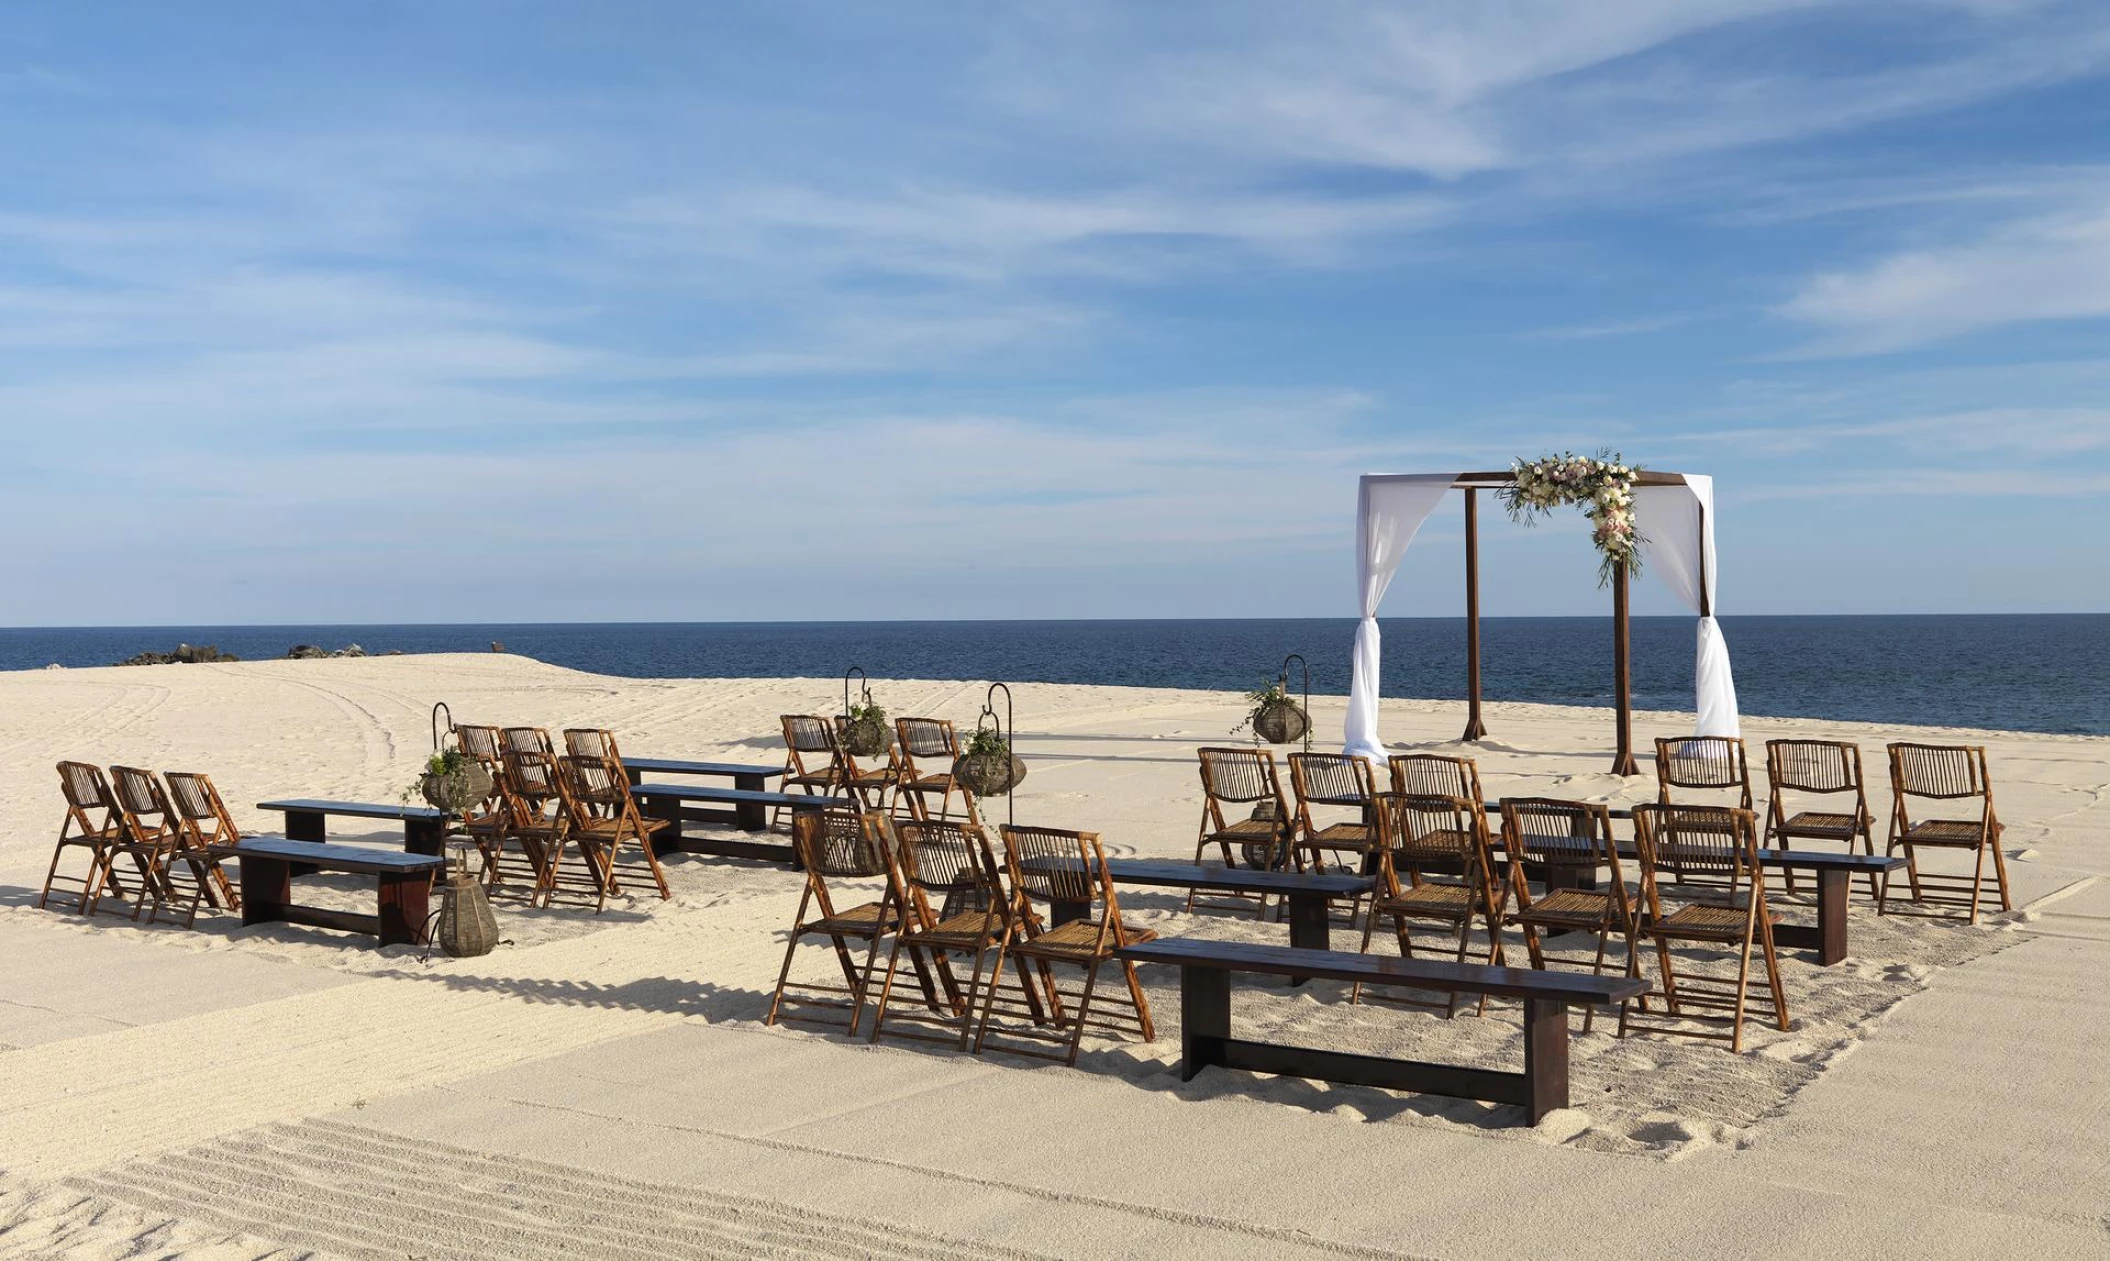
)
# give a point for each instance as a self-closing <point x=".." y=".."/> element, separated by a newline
<point x="1603" y="485"/>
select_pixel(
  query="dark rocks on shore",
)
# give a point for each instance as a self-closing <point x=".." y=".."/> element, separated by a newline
<point x="185" y="654"/>
<point x="307" y="652"/>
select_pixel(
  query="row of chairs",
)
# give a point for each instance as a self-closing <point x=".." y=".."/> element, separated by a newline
<point x="915" y="770"/>
<point x="945" y="905"/>
<point x="558" y="826"/>
<point x="1247" y="816"/>
<point x="163" y="827"/>
<point x="1699" y="886"/>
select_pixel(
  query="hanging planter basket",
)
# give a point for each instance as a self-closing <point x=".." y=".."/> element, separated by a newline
<point x="867" y="735"/>
<point x="457" y="789"/>
<point x="989" y="771"/>
<point x="1281" y="721"/>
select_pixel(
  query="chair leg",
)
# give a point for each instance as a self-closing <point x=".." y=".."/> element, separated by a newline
<point x="996" y="982"/>
<point x="2000" y="872"/>
<point x="1743" y="989"/>
<point x="1084" y="1010"/>
<point x="1355" y="991"/>
<point x="1772" y="957"/>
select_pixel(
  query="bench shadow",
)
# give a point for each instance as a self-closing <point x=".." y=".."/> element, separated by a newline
<point x="664" y="995"/>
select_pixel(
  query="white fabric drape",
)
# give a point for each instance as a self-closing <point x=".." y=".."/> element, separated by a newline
<point x="1677" y="523"/>
<point x="1389" y="511"/>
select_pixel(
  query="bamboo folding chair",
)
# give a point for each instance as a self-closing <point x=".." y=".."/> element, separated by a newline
<point x="1821" y="768"/>
<point x="1264" y="837"/>
<point x="953" y="904"/>
<point x="1052" y="865"/>
<point x="1442" y="833"/>
<point x="486" y="820"/>
<point x="609" y="785"/>
<point x="1724" y="841"/>
<point x="921" y="743"/>
<point x="1333" y="782"/>
<point x="150" y="837"/>
<point x="810" y="762"/>
<point x="1703" y="762"/>
<point x="838" y="846"/>
<point x="1566" y="841"/>
<point x="1944" y="773"/>
<point x="606" y="827"/>
<point x="205" y="823"/>
<point x="524" y="858"/>
<point x="87" y="791"/>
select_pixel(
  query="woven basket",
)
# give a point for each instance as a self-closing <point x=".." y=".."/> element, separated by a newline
<point x="989" y="774"/>
<point x="1280" y="722"/>
<point x="467" y="927"/>
<point x="867" y="737"/>
<point x="457" y="792"/>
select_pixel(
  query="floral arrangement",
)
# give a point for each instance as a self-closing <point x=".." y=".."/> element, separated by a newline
<point x="865" y="732"/>
<point x="1273" y="715"/>
<point x="1604" y="486"/>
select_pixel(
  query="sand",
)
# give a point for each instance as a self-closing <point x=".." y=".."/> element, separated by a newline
<point x="602" y="1085"/>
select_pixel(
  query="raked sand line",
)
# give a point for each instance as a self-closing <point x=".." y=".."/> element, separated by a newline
<point x="367" y="1195"/>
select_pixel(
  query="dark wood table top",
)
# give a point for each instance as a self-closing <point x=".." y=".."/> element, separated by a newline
<point x="675" y="766"/>
<point x="1384" y="969"/>
<point x="353" y="858"/>
<point x="354" y="809"/>
<point x="706" y="792"/>
<point x="1178" y="875"/>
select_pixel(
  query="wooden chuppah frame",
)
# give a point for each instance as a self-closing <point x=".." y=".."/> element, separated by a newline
<point x="1472" y="484"/>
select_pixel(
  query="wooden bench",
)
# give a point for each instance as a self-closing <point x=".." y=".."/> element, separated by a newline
<point x="424" y="828"/>
<point x="747" y="816"/>
<point x="658" y="800"/>
<point x="403" y="882"/>
<point x="1307" y="896"/>
<point x="1206" y="968"/>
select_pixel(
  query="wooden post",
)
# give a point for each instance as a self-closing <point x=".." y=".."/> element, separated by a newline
<point x="1474" y="728"/>
<point x="1623" y="759"/>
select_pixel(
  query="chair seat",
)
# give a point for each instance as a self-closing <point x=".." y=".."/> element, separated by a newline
<point x="969" y="930"/>
<point x="1249" y="830"/>
<point x="1955" y="833"/>
<point x="1342" y="836"/>
<point x="858" y="921"/>
<point x="1569" y="908"/>
<point x="1709" y="921"/>
<point x="941" y="782"/>
<point x="1076" y="941"/>
<point x="1443" y="901"/>
<point x="808" y="781"/>
<point x="1823" y="827"/>
<point x="101" y="836"/>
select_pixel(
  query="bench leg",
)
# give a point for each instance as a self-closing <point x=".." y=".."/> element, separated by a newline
<point x="752" y="816"/>
<point x="267" y="886"/>
<point x="1545" y="1056"/>
<point x="1831" y="916"/>
<point x="404" y="907"/>
<point x="306" y="825"/>
<point x="424" y="836"/>
<point x="668" y="808"/>
<point x="1205" y="1018"/>
<point x="1308" y="926"/>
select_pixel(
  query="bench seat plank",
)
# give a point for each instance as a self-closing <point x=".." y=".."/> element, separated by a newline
<point x="723" y="770"/>
<point x="357" y="859"/>
<point x="737" y="796"/>
<point x="1374" y="969"/>
<point x="1179" y="875"/>
<point x="354" y="809"/>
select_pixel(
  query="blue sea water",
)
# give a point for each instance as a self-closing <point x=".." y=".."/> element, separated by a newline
<point x="2024" y="672"/>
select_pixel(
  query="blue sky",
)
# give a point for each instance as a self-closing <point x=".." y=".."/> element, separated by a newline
<point x="482" y="311"/>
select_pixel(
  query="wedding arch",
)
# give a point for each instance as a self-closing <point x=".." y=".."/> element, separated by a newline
<point x="1668" y="522"/>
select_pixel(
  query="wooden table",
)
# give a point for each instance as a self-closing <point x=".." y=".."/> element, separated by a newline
<point x="1307" y="896"/>
<point x="403" y="882"/>
<point x="659" y="800"/>
<point x="1205" y="1018"/>
<point x="424" y="828"/>
<point x="747" y="816"/>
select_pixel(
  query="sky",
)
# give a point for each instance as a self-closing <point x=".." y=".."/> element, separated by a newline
<point x="481" y="311"/>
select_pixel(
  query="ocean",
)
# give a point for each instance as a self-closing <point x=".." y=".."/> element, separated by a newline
<point x="2046" y="673"/>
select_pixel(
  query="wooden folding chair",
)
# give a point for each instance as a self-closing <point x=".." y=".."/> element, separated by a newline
<point x="1244" y="779"/>
<point x="1821" y="768"/>
<point x="1703" y="762"/>
<point x="836" y="846"/>
<point x="606" y="828"/>
<point x="485" y="821"/>
<point x="87" y="792"/>
<point x="524" y="858"/>
<point x="1420" y="837"/>
<point x="206" y="823"/>
<point x="954" y="904"/>
<point x="925" y="750"/>
<point x="1333" y="782"/>
<point x="1568" y="842"/>
<point x="1052" y="865"/>
<point x="1944" y="773"/>
<point x="810" y="762"/>
<point x="150" y="838"/>
<point x="1683" y="839"/>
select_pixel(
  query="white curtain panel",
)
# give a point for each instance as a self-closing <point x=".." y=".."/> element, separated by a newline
<point x="1678" y="524"/>
<point x="1389" y="512"/>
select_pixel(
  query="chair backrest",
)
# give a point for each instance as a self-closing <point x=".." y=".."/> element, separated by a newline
<point x="482" y="745"/>
<point x="1056" y="865"/>
<point x="1714" y="846"/>
<point x="926" y="738"/>
<point x="1944" y="771"/>
<point x="1429" y="832"/>
<point x="533" y="778"/>
<point x="1331" y="779"/>
<point x="808" y="733"/>
<point x="598" y="777"/>
<point x="1239" y="775"/>
<point x="1813" y="766"/>
<point x="595" y="787"/>
<point x="838" y="844"/>
<point x="592" y="742"/>
<point x="204" y="816"/>
<point x="1702" y="762"/>
<point x="946" y="860"/>
<point x="142" y="804"/>
<point x="1555" y="833"/>
<point x="85" y="789"/>
<point x="1435" y="775"/>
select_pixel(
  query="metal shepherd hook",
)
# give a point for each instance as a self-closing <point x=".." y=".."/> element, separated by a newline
<point x="1298" y="657"/>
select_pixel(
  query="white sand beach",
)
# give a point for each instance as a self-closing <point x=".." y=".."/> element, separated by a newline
<point x="602" y="1085"/>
